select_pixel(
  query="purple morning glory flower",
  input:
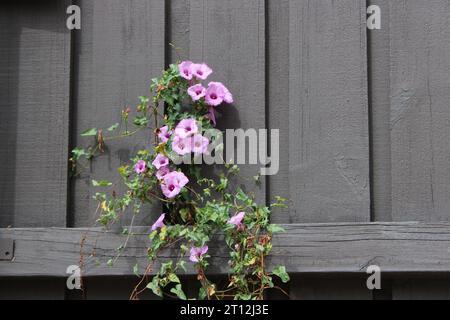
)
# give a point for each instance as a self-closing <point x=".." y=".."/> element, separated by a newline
<point x="159" y="223"/>
<point x="185" y="69"/>
<point x="237" y="219"/>
<point x="164" y="134"/>
<point x="160" y="161"/>
<point x="186" y="128"/>
<point x="181" y="146"/>
<point x="140" y="167"/>
<point x="172" y="184"/>
<point x="214" y="94"/>
<point x="196" y="92"/>
<point x="198" y="253"/>
<point x="201" y="70"/>
<point x="217" y="93"/>
<point x="161" y="173"/>
<point x="199" y="144"/>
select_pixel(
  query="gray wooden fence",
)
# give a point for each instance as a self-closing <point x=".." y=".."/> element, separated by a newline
<point x="364" y="121"/>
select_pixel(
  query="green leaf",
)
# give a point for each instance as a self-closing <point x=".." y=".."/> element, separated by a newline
<point x="110" y="263"/>
<point x="274" y="228"/>
<point x="202" y="293"/>
<point x="173" y="278"/>
<point x="281" y="273"/>
<point x="179" y="292"/>
<point x="154" y="286"/>
<point x="77" y="153"/>
<point x="101" y="183"/>
<point x="113" y="127"/>
<point x="140" y="121"/>
<point x="89" y="132"/>
<point x="136" y="270"/>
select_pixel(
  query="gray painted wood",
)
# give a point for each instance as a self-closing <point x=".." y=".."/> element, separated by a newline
<point x="326" y="165"/>
<point x="309" y="248"/>
<point x="34" y="109"/>
<point x="119" y="49"/>
<point x="178" y="28"/>
<point x="230" y="37"/>
<point x="277" y="78"/>
<point x="410" y="116"/>
<point x="380" y="105"/>
<point x="419" y="110"/>
<point x="328" y="112"/>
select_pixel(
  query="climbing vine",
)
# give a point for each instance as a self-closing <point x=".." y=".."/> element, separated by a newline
<point x="196" y="208"/>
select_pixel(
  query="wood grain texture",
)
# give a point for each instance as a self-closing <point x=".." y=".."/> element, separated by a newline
<point x="277" y="85"/>
<point x="119" y="49"/>
<point x="328" y="112"/>
<point x="419" y="110"/>
<point x="230" y="37"/>
<point x="305" y="248"/>
<point x="34" y="109"/>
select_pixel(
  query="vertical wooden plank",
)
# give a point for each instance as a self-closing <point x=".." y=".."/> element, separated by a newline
<point x="380" y="104"/>
<point x="119" y="49"/>
<point x="278" y="98"/>
<point x="327" y="147"/>
<point x="410" y="120"/>
<point x="230" y="37"/>
<point x="328" y="111"/>
<point x="34" y="108"/>
<point x="177" y="27"/>
<point x="419" y="110"/>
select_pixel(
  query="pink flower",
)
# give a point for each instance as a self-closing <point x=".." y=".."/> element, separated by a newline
<point x="159" y="223"/>
<point x="199" y="144"/>
<point x="228" y="98"/>
<point x="161" y="173"/>
<point x="197" y="92"/>
<point x="160" y="161"/>
<point x="140" y="167"/>
<point x="215" y="94"/>
<point x="185" y="69"/>
<point x="164" y="134"/>
<point x="218" y="93"/>
<point x="180" y="179"/>
<point x="181" y="146"/>
<point x="172" y="184"/>
<point x="198" y="253"/>
<point x="201" y="70"/>
<point x="186" y="128"/>
<point x="237" y="219"/>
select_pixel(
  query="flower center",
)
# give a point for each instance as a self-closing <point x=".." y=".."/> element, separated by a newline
<point x="171" y="187"/>
<point x="213" y="96"/>
<point x="200" y="72"/>
<point x="188" y="128"/>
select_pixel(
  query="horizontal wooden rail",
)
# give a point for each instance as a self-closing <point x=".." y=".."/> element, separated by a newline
<point x="407" y="247"/>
